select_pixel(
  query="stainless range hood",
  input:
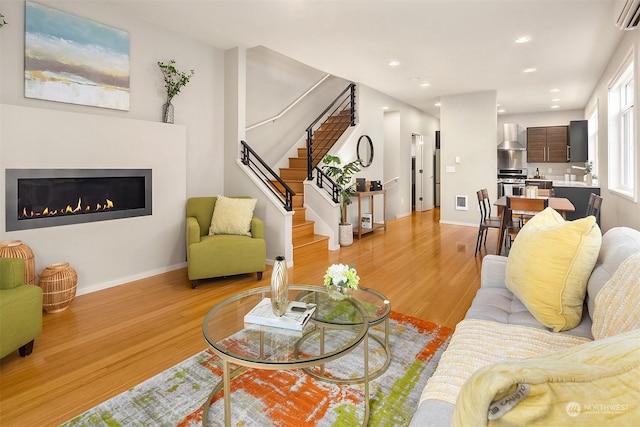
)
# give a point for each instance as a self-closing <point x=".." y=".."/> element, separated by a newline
<point x="510" y="138"/>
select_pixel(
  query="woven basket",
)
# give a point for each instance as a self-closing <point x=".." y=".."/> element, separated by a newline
<point x="17" y="249"/>
<point x="59" y="283"/>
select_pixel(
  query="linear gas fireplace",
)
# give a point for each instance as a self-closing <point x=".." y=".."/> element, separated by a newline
<point x="37" y="198"/>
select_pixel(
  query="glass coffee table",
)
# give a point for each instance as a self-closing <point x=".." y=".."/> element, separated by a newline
<point x="335" y="330"/>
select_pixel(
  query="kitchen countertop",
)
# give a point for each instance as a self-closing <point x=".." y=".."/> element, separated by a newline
<point x="574" y="184"/>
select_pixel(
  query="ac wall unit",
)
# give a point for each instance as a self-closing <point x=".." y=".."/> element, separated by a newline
<point x="628" y="16"/>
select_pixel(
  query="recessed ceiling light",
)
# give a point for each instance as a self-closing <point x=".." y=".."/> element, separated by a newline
<point x="385" y="108"/>
<point x="523" y="39"/>
<point x="554" y="90"/>
<point x="554" y="107"/>
<point x="415" y="79"/>
<point x="502" y="110"/>
<point x="555" y="100"/>
<point x="437" y="104"/>
<point x="529" y="70"/>
<point x="425" y="84"/>
<point x="393" y="63"/>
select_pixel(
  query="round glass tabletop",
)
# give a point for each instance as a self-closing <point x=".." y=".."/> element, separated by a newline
<point x="267" y="347"/>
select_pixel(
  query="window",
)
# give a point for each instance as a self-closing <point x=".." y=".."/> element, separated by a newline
<point x="622" y="141"/>
<point x="593" y="140"/>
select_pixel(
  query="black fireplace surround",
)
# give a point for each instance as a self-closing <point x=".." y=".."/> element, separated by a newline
<point x="37" y="198"/>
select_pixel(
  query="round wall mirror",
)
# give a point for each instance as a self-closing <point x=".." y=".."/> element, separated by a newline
<point x="365" y="150"/>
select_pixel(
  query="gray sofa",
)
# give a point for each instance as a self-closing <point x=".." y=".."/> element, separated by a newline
<point x="495" y="303"/>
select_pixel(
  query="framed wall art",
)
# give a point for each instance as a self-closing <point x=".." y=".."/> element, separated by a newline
<point x="74" y="60"/>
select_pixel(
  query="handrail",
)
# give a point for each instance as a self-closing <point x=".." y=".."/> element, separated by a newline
<point x="283" y="112"/>
<point x="268" y="176"/>
<point x="341" y="103"/>
<point x="391" y="180"/>
<point x="333" y="189"/>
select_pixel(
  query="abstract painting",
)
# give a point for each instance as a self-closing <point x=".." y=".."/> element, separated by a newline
<point x="74" y="60"/>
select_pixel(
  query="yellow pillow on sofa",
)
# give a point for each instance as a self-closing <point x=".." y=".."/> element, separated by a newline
<point x="549" y="265"/>
<point x="232" y="216"/>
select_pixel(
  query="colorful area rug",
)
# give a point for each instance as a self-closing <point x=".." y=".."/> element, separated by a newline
<point x="176" y="396"/>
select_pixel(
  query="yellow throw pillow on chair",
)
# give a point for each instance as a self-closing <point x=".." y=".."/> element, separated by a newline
<point x="549" y="265"/>
<point x="232" y="216"/>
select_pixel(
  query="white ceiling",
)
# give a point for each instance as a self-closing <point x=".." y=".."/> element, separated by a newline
<point x="457" y="46"/>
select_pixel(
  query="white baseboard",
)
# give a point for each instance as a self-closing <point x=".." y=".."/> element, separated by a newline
<point x="123" y="280"/>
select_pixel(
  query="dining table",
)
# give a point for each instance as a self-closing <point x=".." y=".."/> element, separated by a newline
<point x="561" y="204"/>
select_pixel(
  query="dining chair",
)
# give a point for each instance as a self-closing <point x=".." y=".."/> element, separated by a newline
<point x="521" y="210"/>
<point x="544" y="192"/>
<point x="486" y="220"/>
<point x="593" y="208"/>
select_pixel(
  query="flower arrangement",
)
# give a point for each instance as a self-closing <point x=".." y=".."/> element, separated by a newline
<point x="174" y="79"/>
<point x="340" y="277"/>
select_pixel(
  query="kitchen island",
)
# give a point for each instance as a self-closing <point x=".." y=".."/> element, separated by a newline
<point x="578" y="193"/>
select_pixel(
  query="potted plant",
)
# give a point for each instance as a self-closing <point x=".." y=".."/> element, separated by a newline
<point x="588" y="173"/>
<point x="174" y="80"/>
<point x="342" y="176"/>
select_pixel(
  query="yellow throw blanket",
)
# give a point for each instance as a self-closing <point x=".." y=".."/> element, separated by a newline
<point x="594" y="384"/>
<point x="479" y="343"/>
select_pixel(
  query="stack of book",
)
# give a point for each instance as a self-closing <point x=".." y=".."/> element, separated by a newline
<point x="295" y="318"/>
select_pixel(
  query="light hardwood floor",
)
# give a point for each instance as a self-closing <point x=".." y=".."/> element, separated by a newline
<point x="108" y="341"/>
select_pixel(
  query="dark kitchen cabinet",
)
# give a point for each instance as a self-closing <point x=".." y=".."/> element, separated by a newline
<point x="547" y="144"/>
<point x="578" y="141"/>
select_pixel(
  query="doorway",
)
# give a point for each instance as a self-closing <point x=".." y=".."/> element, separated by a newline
<point x="417" y="173"/>
<point x="436" y="171"/>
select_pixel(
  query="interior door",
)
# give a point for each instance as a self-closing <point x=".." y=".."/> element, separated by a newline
<point x="419" y="173"/>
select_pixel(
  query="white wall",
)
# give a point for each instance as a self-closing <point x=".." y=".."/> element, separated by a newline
<point x="273" y="83"/>
<point x="104" y="253"/>
<point x="616" y="210"/>
<point x="468" y="131"/>
<point x="239" y="181"/>
<point x="185" y="157"/>
<point x="391" y="132"/>
<point x="198" y="106"/>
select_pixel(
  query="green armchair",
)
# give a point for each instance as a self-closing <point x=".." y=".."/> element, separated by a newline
<point x="20" y="309"/>
<point x="221" y="254"/>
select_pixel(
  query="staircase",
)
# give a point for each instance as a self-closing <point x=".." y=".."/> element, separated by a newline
<point x="305" y="241"/>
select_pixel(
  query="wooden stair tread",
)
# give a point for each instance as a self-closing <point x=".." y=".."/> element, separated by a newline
<point x="310" y="240"/>
<point x="302" y="222"/>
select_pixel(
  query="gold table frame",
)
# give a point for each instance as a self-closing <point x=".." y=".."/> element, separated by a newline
<point x="361" y="336"/>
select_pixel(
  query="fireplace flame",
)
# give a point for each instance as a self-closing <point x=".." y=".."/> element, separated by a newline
<point x="68" y="210"/>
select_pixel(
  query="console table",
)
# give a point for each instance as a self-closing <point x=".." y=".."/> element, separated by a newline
<point x="370" y="195"/>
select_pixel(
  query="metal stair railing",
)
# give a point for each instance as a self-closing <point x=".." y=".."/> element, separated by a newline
<point x="323" y="181"/>
<point x="346" y="100"/>
<point x="262" y="170"/>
